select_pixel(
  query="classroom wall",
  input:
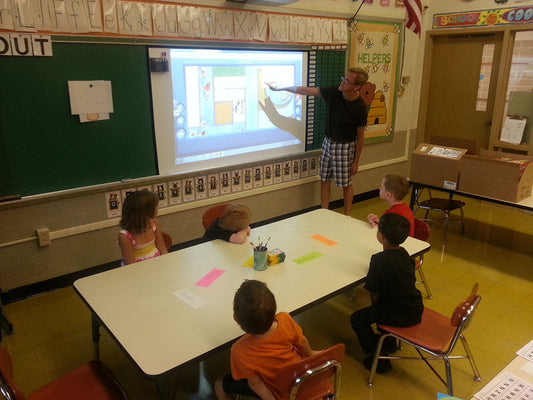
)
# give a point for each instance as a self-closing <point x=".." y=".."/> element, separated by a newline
<point x="78" y="215"/>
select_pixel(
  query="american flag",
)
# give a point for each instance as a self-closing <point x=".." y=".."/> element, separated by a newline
<point x="413" y="19"/>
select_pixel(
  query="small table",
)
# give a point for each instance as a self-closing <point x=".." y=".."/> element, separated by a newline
<point x="138" y="306"/>
<point x="525" y="204"/>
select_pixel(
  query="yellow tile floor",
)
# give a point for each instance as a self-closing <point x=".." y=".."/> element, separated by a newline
<point x="52" y="330"/>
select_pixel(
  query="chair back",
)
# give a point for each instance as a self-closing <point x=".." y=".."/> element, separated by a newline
<point x="462" y="314"/>
<point x="311" y="378"/>
<point x="213" y="213"/>
<point x="168" y="240"/>
<point x="421" y="230"/>
<point x="8" y="388"/>
<point x="466" y="307"/>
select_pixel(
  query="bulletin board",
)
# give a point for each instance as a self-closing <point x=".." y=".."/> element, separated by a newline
<point x="374" y="46"/>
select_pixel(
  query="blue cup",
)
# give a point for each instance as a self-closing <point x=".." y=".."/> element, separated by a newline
<point x="260" y="259"/>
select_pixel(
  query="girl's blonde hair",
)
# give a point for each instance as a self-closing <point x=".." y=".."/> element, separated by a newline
<point x="138" y="209"/>
<point x="235" y="217"/>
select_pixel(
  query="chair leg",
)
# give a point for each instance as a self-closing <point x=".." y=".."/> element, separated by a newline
<point x="449" y="383"/>
<point x="477" y="376"/>
<point x="354" y="293"/>
<point x="377" y="352"/>
<point x="424" y="281"/>
<point x="445" y="226"/>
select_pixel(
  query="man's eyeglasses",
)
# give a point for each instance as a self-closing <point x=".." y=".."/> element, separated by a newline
<point x="347" y="81"/>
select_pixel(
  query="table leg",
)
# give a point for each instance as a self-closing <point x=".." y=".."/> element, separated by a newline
<point x="4" y="323"/>
<point x="95" y="327"/>
<point x="167" y="385"/>
<point x="414" y="196"/>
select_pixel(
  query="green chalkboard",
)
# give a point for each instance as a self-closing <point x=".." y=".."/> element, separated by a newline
<point x="44" y="148"/>
<point x="329" y="66"/>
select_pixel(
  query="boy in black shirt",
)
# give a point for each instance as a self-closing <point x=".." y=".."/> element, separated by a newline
<point x="391" y="283"/>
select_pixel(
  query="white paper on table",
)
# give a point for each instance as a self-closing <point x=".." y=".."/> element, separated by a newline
<point x="90" y="97"/>
<point x="526" y="351"/>
<point x="444" y="152"/>
<point x="190" y="298"/>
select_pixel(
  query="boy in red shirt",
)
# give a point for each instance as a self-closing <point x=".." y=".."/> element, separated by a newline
<point x="271" y="341"/>
<point x="393" y="189"/>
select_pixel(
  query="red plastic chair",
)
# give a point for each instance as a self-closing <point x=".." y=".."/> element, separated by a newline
<point x="91" y="381"/>
<point x="422" y="233"/>
<point x="313" y="378"/>
<point x="436" y="335"/>
<point x="213" y="213"/>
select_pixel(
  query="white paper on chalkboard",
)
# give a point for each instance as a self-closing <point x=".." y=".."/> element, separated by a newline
<point x="87" y="97"/>
<point x="513" y="130"/>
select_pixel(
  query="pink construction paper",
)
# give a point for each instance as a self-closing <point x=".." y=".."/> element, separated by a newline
<point x="210" y="277"/>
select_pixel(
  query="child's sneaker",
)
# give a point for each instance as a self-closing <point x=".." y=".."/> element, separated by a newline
<point x="391" y="345"/>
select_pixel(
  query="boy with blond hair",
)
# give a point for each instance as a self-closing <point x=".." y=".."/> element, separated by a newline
<point x="232" y="226"/>
<point x="393" y="189"/>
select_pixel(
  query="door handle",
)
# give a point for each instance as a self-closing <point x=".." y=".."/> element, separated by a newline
<point x="488" y="122"/>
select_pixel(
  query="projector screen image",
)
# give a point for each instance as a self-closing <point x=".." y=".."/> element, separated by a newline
<point x="213" y="109"/>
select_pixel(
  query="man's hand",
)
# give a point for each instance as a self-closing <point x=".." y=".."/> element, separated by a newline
<point x="272" y="86"/>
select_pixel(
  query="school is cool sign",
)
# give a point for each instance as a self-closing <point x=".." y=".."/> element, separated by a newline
<point x="502" y="16"/>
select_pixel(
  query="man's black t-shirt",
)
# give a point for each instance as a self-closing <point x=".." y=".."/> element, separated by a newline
<point x="343" y="117"/>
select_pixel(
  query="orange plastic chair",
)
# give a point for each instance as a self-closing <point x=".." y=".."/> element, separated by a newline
<point x="313" y="378"/>
<point x="436" y="335"/>
<point x="89" y="382"/>
<point x="213" y="213"/>
<point x="168" y="240"/>
<point x="422" y="233"/>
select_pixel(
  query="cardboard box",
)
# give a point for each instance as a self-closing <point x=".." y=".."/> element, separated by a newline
<point x="485" y="175"/>
<point x="436" y="165"/>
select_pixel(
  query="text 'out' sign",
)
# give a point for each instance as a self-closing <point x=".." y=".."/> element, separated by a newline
<point x="15" y="44"/>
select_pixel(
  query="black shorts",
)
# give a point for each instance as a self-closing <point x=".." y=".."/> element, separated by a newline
<point x="230" y="385"/>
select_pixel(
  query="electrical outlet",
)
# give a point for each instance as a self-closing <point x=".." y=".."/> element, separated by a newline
<point x="43" y="236"/>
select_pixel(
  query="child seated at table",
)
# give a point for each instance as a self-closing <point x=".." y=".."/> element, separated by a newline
<point x="393" y="189"/>
<point x="391" y="283"/>
<point x="140" y="237"/>
<point x="232" y="226"/>
<point x="271" y="341"/>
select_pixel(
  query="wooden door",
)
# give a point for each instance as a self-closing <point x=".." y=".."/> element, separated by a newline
<point x="455" y="106"/>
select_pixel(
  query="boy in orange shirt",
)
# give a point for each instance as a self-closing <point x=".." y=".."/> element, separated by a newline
<point x="271" y="341"/>
<point x="393" y="189"/>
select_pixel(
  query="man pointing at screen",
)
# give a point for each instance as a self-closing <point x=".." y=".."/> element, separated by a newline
<point x="345" y="133"/>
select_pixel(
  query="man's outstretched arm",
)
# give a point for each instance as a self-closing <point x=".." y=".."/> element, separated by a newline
<point x="305" y="90"/>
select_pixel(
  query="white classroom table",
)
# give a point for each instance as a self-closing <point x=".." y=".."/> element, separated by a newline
<point x="161" y="333"/>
